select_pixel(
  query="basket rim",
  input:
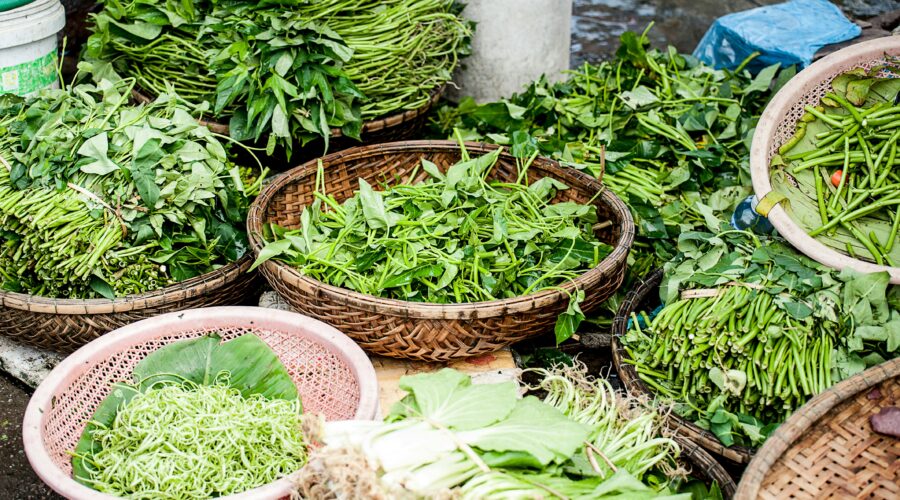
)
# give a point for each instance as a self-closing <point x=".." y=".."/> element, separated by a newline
<point x="696" y="455"/>
<point x="197" y="285"/>
<point x="86" y="357"/>
<point x="634" y="385"/>
<point x="421" y="310"/>
<point x="805" y="417"/>
<point x="394" y="119"/>
<point x="763" y="141"/>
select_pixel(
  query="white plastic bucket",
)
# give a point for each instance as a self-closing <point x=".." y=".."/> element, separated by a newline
<point x="28" y="55"/>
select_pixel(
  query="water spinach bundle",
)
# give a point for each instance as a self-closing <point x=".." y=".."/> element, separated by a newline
<point x="665" y="129"/>
<point x="290" y="69"/>
<point x="202" y="419"/>
<point x="456" y="237"/>
<point x="582" y="440"/>
<point x="839" y="168"/>
<point x="750" y="330"/>
<point x="102" y="199"/>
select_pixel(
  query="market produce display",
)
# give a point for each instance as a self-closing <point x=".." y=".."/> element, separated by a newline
<point x="292" y="70"/>
<point x="582" y="440"/>
<point x="838" y="170"/>
<point x="202" y="419"/>
<point x="456" y="237"/>
<point x="751" y="329"/>
<point x="669" y="135"/>
<point x="99" y="198"/>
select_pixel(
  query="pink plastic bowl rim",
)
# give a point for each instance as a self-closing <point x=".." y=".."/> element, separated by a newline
<point x="210" y="319"/>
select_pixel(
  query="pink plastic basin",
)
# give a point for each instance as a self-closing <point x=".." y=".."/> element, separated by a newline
<point x="333" y="375"/>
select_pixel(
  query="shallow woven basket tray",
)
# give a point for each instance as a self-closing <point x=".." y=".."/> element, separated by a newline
<point x="777" y="126"/>
<point x="334" y="377"/>
<point x="66" y="324"/>
<point x="416" y="330"/>
<point x="644" y="296"/>
<point x="827" y="448"/>
<point x="401" y="125"/>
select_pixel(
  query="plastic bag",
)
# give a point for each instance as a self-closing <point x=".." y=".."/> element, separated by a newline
<point x="787" y="33"/>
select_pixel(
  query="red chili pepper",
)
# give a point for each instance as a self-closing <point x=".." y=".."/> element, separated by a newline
<point x="836" y="177"/>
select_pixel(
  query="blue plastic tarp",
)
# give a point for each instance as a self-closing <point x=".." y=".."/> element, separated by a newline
<point x="788" y="33"/>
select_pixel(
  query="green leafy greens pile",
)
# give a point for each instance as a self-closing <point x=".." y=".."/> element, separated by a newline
<point x="673" y="130"/>
<point x="289" y="69"/>
<point x="751" y="329"/>
<point x="483" y="442"/>
<point x="102" y="199"/>
<point x="202" y="419"/>
<point x="455" y="237"/>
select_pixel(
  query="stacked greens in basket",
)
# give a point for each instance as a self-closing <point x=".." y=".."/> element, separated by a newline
<point x="289" y="69"/>
<point x="662" y="129"/>
<point x="839" y="168"/>
<point x="449" y="438"/>
<point x="202" y="419"/>
<point x="456" y="237"/>
<point x="99" y="198"/>
<point x="751" y="329"/>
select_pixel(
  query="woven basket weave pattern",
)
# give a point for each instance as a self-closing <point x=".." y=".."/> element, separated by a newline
<point x="64" y="325"/>
<point x="428" y="331"/>
<point x="645" y="297"/>
<point x="827" y="449"/>
<point x="325" y="382"/>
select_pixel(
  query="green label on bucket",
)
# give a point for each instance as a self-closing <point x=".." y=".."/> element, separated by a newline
<point x="28" y="77"/>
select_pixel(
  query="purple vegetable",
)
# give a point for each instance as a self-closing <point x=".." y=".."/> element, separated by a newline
<point x="887" y="421"/>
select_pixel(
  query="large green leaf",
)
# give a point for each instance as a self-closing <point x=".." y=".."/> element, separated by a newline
<point x="449" y="398"/>
<point x="254" y="368"/>
<point x="533" y="427"/>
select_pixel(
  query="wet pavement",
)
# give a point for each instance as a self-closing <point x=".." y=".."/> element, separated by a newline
<point x="596" y="26"/>
<point x="17" y="480"/>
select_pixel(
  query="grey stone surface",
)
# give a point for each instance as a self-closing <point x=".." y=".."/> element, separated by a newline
<point x="27" y="364"/>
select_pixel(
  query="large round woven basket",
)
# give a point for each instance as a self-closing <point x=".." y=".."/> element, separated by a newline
<point x="67" y="324"/>
<point x="401" y="125"/>
<point x="333" y="376"/>
<point x="434" y="332"/>
<point x="827" y="448"/>
<point x="777" y="125"/>
<point x="644" y="296"/>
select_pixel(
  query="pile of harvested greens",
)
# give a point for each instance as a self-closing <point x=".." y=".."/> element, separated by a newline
<point x="99" y="198"/>
<point x="582" y="440"/>
<point x="202" y="419"/>
<point x="456" y="237"/>
<point x="673" y="131"/>
<point x="290" y="69"/>
<point x="751" y="329"/>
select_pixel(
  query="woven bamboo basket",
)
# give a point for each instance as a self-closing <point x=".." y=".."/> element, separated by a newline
<point x="402" y="125"/>
<point x="827" y="448"/>
<point x="432" y="332"/>
<point x="778" y="124"/>
<point x="64" y="325"/>
<point x="704" y="467"/>
<point x="645" y="297"/>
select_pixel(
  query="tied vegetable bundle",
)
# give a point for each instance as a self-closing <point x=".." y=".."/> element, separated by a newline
<point x="202" y="419"/>
<point x="666" y="129"/>
<point x="750" y="330"/>
<point x="456" y="237"/>
<point x="839" y="168"/>
<point x="102" y="199"/>
<point x="291" y="69"/>
<point x="449" y="438"/>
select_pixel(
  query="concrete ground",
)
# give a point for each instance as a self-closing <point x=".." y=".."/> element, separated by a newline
<point x="597" y="25"/>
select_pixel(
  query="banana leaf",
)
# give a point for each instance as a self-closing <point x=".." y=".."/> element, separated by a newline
<point x="252" y="366"/>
